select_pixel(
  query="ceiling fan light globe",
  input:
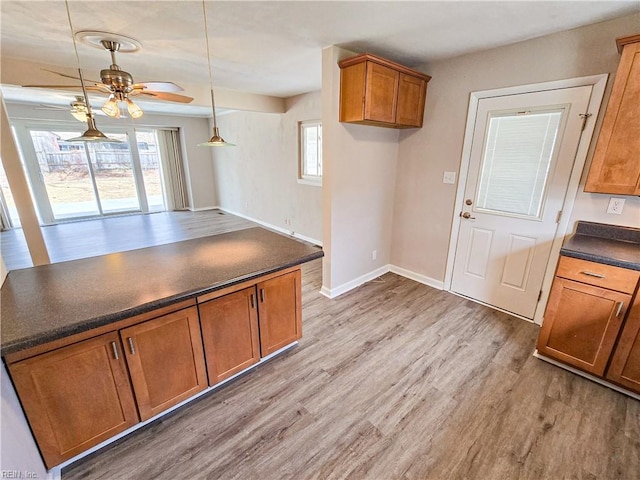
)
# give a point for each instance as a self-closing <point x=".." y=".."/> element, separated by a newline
<point x="134" y="110"/>
<point x="111" y="108"/>
<point x="79" y="115"/>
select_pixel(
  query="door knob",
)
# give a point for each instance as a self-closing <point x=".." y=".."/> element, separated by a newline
<point x="467" y="215"/>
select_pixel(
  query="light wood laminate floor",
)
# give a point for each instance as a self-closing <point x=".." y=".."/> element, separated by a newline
<point x="393" y="380"/>
<point x="73" y="240"/>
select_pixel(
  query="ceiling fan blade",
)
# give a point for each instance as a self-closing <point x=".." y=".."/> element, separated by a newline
<point x="69" y="76"/>
<point x="159" y="86"/>
<point x="170" y="97"/>
<point x="72" y="87"/>
<point x="93" y="88"/>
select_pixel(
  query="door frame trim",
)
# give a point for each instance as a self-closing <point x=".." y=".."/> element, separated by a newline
<point x="598" y="84"/>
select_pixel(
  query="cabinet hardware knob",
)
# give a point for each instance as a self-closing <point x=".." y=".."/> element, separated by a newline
<point x="115" y="351"/>
<point x="133" y="349"/>
<point x="619" y="309"/>
<point x="593" y="274"/>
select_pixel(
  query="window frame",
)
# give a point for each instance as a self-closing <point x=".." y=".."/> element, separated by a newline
<point x="303" y="178"/>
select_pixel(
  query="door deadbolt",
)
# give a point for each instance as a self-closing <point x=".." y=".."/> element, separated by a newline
<point x="468" y="201"/>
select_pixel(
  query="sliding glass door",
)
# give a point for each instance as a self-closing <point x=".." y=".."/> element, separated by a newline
<point x="73" y="180"/>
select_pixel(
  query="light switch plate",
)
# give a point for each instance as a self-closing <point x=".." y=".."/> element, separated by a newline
<point x="615" y="205"/>
<point x="449" y="177"/>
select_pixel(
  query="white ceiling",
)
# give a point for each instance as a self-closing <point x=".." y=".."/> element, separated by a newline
<point x="274" y="48"/>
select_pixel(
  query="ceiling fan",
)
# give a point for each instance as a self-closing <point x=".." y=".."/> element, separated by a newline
<point x="118" y="83"/>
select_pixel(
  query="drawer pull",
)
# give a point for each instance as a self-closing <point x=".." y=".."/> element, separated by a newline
<point x="115" y="351"/>
<point x="133" y="349"/>
<point x="262" y="295"/>
<point x="593" y="274"/>
<point x="619" y="309"/>
<point x="252" y="304"/>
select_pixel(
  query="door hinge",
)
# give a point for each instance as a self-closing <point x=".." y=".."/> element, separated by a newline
<point x="585" y="117"/>
<point x="559" y="216"/>
<point x="540" y="295"/>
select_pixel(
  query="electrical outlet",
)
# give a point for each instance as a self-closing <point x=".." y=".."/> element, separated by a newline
<point x="449" y="177"/>
<point x="615" y="205"/>
<point x="374" y="254"/>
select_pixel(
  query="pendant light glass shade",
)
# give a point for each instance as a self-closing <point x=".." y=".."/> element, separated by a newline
<point x="92" y="134"/>
<point x="216" y="140"/>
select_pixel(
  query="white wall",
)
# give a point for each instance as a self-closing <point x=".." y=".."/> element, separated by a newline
<point x="194" y="130"/>
<point x="18" y="451"/>
<point x="258" y="177"/>
<point x="360" y="170"/>
<point x="423" y="207"/>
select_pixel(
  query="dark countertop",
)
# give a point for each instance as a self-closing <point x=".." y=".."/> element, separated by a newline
<point x="608" y="244"/>
<point x="49" y="302"/>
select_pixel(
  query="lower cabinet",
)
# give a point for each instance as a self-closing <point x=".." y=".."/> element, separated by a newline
<point x="280" y="312"/>
<point x="230" y="333"/>
<point x="625" y="363"/>
<point x="76" y="396"/>
<point x="590" y="323"/>
<point x="165" y="360"/>
<point x="581" y="324"/>
<point x="82" y="390"/>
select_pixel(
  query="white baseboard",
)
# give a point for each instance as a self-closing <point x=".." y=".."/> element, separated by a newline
<point x="202" y="209"/>
<point x="291" y="233"/>
<point x="356" y="282"/>
<point x="403" y="272"/>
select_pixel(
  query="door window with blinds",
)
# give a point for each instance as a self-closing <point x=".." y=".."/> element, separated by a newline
<point x="518" y="161"/>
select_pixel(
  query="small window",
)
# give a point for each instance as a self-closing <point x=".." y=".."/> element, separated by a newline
<point x="310" y="167"/>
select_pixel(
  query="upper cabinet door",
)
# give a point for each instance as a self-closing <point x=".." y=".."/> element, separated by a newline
<point x="616" y="162"/>
<point x="411" y="96"/>
<point x="166" y="360"/>
<point x="381" y="94"/>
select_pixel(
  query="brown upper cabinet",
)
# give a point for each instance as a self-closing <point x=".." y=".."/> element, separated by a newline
<point x="376" y="91"/>
<point x="616" y="162"/>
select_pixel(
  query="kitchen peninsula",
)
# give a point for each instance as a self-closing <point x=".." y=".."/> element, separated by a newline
<point x="96" y="346"/>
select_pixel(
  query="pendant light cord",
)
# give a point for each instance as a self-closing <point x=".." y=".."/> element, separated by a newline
<point x="206" y="36"/>
<point x="75" y="49"/>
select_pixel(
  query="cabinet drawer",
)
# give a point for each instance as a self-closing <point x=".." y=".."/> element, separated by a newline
<point x="598" y="274"/>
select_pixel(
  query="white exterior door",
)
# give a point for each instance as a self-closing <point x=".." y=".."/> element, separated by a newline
<point x="522" y="154"/>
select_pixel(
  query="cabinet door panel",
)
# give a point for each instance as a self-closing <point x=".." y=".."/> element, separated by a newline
<point x="615" y="167"/>
<point x="625" y="363"/>
<point x="75" y="397"/>
<point x="230" y="334"/>
<point x="381" y="93"/>
<point x="411" y="97"/>
<point x="581" y="324"/>
<point x="166" y="360"/>
<point x="280" y="312"/>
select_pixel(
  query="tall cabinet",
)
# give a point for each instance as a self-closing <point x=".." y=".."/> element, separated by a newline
<point x="615" y="167"/>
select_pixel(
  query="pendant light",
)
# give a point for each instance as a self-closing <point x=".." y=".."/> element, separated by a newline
<point x="92" y="134"/>
<point x="216" y="140"/>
